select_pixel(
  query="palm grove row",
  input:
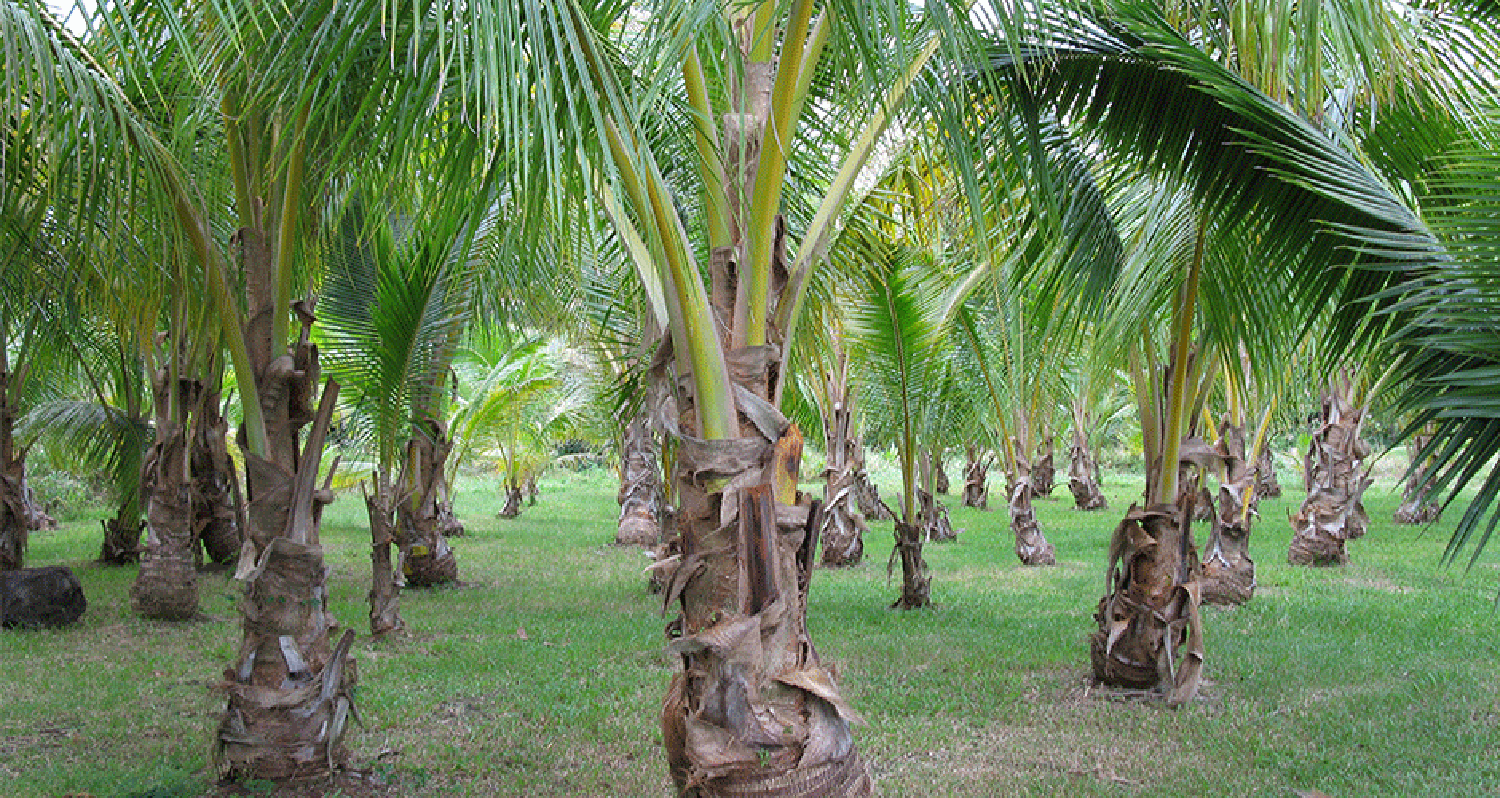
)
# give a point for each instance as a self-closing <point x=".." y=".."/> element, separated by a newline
<point x="916" y="225"/>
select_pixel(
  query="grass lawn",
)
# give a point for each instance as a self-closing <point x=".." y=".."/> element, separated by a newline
<point x="543" y="674"/>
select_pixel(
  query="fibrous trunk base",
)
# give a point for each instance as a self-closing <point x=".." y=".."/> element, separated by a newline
<point x="166" y="587"/>
<point x="916" y="580"/>
<point x="385" y="603"/>
<point x="842" y="526"/>
<point x="122" y="541"/>
<point x="752" y="712"/>
<point x="976" y="481"/>
<point x="290" y="697"/>
<point x="1032" y="547"/>
<point x="512" y="508"/>
<point x="1150" y="634"/>
<point x="1333" y="511"/>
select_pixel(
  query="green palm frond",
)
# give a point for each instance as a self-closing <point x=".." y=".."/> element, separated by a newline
<point x="1144" y="93"/>
<point x="96" y="437"/>
<point x="895" y="342"/>
<point x="394" y="306"/>
<point x="1453" y="344"/>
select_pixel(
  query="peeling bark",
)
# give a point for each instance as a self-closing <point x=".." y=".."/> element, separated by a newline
<point x="218" y="517"/>
<point x="1266" y="486"/>
<point x="1415" y="507"/>
<point x="867" y="496"/>
<point x="753" y="711"/>
<point x="640" y="487"/>
<point x="1044" y="471"/>
<point x="1333" y="512"/>
<point x="426" y="557"/>
<point x="385" y="593"/>
<point x="166" y="586"/>
<point x="1150" y="634"/>
<point x="976" y="479"/>
<point x="1228" y="572"/>
<point x="512" y="506"/>
<point x="842" y="525"/>
<point x="290" y="690"/>
<point x="1032" y="546"/>
<point x="1083" y="476"/>
<point x="916" y="579"/>
<point x="934" y="518"/>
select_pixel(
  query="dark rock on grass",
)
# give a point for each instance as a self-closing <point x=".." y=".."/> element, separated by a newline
<point x="33" y="598"/>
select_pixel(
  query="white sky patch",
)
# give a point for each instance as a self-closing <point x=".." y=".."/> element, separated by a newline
<point x="72" y="13"/>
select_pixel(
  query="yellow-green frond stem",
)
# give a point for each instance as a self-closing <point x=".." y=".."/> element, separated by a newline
<point x="710" y="166"/>
<point x="289" y="223"/>
<point x="645" y="187"/>
<point x="815" y="239"/>
<point x="765" y="199"/>
<point x="1177" y="410"/>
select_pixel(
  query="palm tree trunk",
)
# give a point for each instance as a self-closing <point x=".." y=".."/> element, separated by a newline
<point x="841" y="524"/>
<point x="1083" y="475"/>
<point x="513" y="496"/>
<point x="290" y="691"/>
<point x="866" y="494"/>
<point x="1228" y="572"/>
<point x="931" y="512"/>
<point x="1266" y="486"/>
<point x="640" y="487"/>
<point x="940" y="474"/>
<point x="426" y="557"/>
<point x="1150" y="634"/>
<point x="1032" y="547"/>
<point x="385" y="607"/>
<point x="976" y="479"/>
<point x="1044" y="471"/>
<point x="752" y="711"/>
<point x="166" y="587"/>
<point x="1333" y="512"/>
<point x="936" y="526"/>
<point x="217" y="511"/>
<point x="1415" y="508"/>
<point x="15" y="504"/>
<point x="916" y="579"/>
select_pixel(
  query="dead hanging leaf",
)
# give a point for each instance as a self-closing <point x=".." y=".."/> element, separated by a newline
<point x="817" y="681"/>
<point x="521" y="633"/>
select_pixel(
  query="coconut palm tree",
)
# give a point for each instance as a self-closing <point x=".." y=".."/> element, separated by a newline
<point x="397" y="302"/>
<point x="511" y="408"/>
<point x="741" y="80"/>
<point x="291" y="109"/>
<point x="899" y="359"/>
<point x="1166" y="70"/>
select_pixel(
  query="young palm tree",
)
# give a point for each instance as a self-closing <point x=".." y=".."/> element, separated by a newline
<point x="396" y="306"/>
<point x="292" y="110"/>
<point x="743" y="77"/>
<point x="512" y="409"/>
<point x="900" y="362"/>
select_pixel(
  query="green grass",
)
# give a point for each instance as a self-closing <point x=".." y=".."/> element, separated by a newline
<point x="543" y="675"/>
